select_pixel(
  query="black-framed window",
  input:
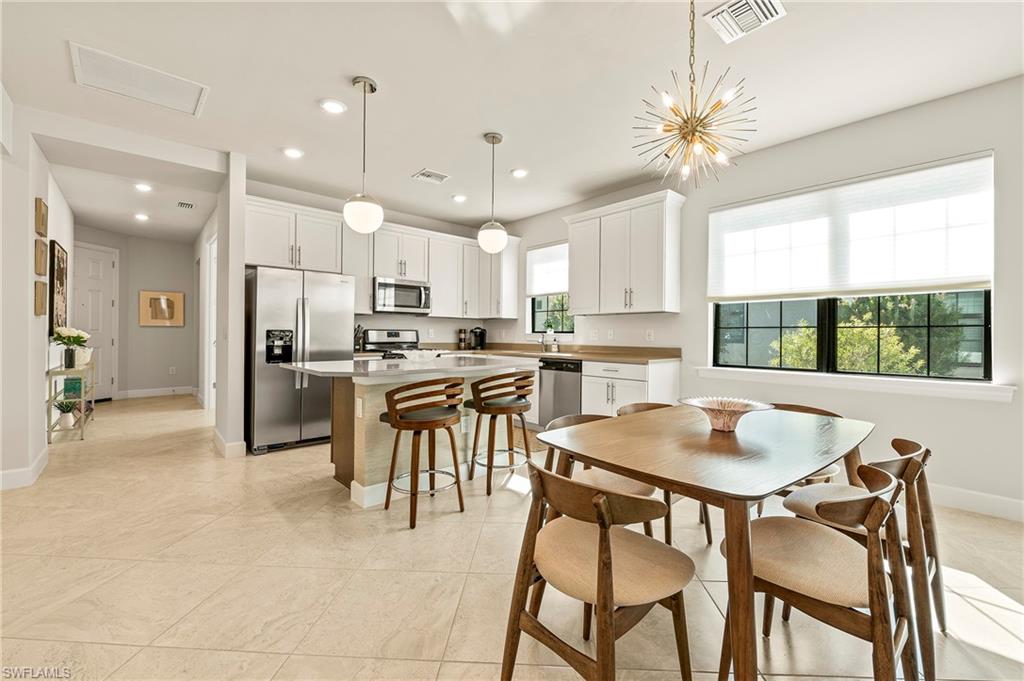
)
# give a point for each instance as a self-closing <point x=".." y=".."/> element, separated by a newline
<point x="551" y="312"/>
<point x="933" y="335"/>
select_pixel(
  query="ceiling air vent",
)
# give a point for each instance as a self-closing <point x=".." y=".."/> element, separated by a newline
<point x="185" y="204"/>
<point x="104" y="71"/>
<point x="733" y="20"/>
<point x="428" y="175"/>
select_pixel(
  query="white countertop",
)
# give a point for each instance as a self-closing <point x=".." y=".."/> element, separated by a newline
<point x="364" y="370"/>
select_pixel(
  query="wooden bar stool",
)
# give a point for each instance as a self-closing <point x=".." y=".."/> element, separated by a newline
<point x="425" y="406"/>
<point x="494" y="396"/>
<point x="586" y="554"/>
<point x="704" y="517"/>
<point x="835" y="579"/>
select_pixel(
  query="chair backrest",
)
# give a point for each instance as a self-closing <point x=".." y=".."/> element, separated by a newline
<point x="909" y="463"/>
<point x="804" y="409"/>
<point x="438" y="392"/>
<point x="512" y="384"/>
<point x="869" y="509"/>
<point x="637" y="407"/>
<point x="574" y="420"/>
<point x="591" y="504"/>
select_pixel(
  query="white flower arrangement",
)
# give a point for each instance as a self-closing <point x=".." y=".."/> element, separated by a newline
<point x="69" y="337"/>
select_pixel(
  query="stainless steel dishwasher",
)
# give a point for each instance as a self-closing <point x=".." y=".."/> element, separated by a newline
<point x="560" y="385"/>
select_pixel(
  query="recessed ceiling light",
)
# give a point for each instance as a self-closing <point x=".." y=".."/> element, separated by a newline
<point x="333" y="106"/>
<point x="143" y="187"/>
<point x="293" y="153"/>
<point x="520" y="173"/>
<point x="459" y="198"/>
<point x="141" y="217"/>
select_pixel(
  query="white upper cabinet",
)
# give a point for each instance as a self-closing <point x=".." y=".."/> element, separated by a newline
<point x="446" y="297"/>
<point x="400" y="254"/>
<point x="499" y="282"/>
<point x="285" y="235"/>
<point x="318" y="242"/>
<point x="269" y="235"/>
<point x="585" y="267"/>
<point x="471" y="281"/>
<point x="625" y="257"/>
<point x="357" y="261"/>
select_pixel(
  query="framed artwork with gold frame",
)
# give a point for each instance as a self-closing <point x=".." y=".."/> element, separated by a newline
<point x="40" y="259"/>
<point x="41" y="215"/>
<point x="161" y="308"/>
<point x="41" y="300"/>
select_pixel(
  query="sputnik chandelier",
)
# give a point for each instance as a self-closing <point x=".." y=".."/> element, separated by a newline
<point x="692" y="135"/>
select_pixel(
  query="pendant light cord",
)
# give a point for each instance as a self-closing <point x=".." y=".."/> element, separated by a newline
<point x="364" y="139"/>
<point x="492" y="181"/>
<point x="693" y="44"/>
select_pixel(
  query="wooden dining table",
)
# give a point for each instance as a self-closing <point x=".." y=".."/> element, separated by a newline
<point x="675" y="449"/>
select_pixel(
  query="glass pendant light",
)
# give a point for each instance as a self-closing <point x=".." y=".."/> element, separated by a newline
<point x="492" y="236"/>
<point x="362" y="212"/>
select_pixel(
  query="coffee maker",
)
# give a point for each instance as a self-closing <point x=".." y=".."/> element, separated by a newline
<point x="477" y="338"/>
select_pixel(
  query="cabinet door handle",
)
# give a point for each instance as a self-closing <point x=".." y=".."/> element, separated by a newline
<point x="291" y="254"/>
<point x="611" y="371"/>
<point x="630" y="293"/>
<point x="607" y="392"/>
<point x="625" y="297"/>
<point x="613" y="393"/>
<point x="300" y="256"/>
<point x="465" y="307"/>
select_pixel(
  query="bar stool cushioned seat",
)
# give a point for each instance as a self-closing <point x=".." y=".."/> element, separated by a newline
<point x="644" y="570"/>
<point x="430" y="414"/>
<point x="810" y="559"/>
<point x="500" y="402"/>
<point x="614" y="482"/>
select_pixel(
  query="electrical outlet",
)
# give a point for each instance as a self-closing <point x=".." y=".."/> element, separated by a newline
<point x="503" y="334"/>
<point x="611" y="334"/>
<point x="649" y="335"/>
<point x="171" y="371"/>
<point x="430" y="333"/>
<point x="359" y="407"/>
<point x="593" y="334"/>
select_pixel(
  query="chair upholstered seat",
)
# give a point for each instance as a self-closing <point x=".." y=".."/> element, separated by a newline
<point x="811" y="559"/>
<point x="500" y="402"/>
<point x="432" y="414"/>
<point x="644" y="570"/>
<point x="614" y="482"/>
<point x="805" y="500"/>
<point x="830" y="471"/>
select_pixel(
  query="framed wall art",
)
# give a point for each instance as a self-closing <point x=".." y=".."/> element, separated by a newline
<point x="58" y="286"/>
<point x="39" y="302"/>
<point x="161" y="308"/>
<point x="41" y="214"/>
<point x="40" y="257"/>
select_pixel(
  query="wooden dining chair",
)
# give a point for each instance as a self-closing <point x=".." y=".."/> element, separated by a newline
<point x="917" y="538"/>
<point x="502" y="395"/>
<point x="834" y="578"/>
<point x="423" y="406"/>
<point x="826" y="474"/>
<point x="703" y="516"/>
<point x="587" y="554"/>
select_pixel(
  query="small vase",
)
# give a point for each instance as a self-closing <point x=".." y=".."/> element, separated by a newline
<point x="66" y="420"/>
<point x="69" y="358"/>
<point x="82" y="356"/>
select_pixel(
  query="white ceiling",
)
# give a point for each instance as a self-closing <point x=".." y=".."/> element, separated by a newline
<point x="562" y="81"/>
<point x="99" y="185"/>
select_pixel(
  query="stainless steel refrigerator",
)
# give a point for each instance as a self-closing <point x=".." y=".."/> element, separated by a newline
<point x="298" y="316"/>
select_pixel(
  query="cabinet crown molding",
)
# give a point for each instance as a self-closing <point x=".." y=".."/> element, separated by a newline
<point x="671" y="198"/>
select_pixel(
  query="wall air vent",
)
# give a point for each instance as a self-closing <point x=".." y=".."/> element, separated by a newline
<point x="104" y="71"/>
<point x="735" y="19"/>
<point x="428" y="175"/>
<point x="185" y="204"/>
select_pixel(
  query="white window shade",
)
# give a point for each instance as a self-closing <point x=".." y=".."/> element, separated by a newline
<point x="927" y="229"/>
<point x="547" y="270"/>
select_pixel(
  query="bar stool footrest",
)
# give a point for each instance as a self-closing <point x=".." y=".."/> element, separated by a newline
<point x="425" y="489"/>
<point x="519" y="458"/>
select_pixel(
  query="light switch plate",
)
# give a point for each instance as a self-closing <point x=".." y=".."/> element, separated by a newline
<point x="359" y="407"/>
<point x="649" y="335"/>
<point x="611" y="334"/>
<point x="593" y="334"/>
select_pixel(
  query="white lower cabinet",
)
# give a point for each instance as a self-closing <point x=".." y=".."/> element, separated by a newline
<point x="606" y="386"/>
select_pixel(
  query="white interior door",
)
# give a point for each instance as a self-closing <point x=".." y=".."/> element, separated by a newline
<point x="95" y="310"/>
<point x="210" y="398"/>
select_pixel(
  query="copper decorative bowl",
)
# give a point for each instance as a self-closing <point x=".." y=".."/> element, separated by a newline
<point x="725" y="412"/>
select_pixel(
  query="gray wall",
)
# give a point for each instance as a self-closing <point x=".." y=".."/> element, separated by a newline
<point x="146" y="353"/>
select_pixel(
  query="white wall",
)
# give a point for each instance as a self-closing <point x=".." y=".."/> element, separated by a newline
<point x="145" y="354"/>
<point x="977" y="445"/>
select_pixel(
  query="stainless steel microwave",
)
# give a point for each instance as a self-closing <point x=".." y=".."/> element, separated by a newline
<point x="401" y="295"/>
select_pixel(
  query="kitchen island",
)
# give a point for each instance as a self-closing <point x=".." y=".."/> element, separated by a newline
<point x="360" y="442"/>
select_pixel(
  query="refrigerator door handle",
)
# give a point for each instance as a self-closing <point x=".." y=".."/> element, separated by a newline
<point x="305" y="339"/>
<point x="299" y="341"/>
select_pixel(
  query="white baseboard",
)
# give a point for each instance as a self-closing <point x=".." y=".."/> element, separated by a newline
<point x="153" y="392"/>
<point x="373" y="495"/>
<point x="23" y="477"/>
<point x="229" y="450"/>
<point x="199" y="398"/>
<point x="977" y="502"/>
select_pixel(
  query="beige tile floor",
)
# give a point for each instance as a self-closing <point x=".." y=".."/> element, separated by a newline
<point x="141" y="554"/>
